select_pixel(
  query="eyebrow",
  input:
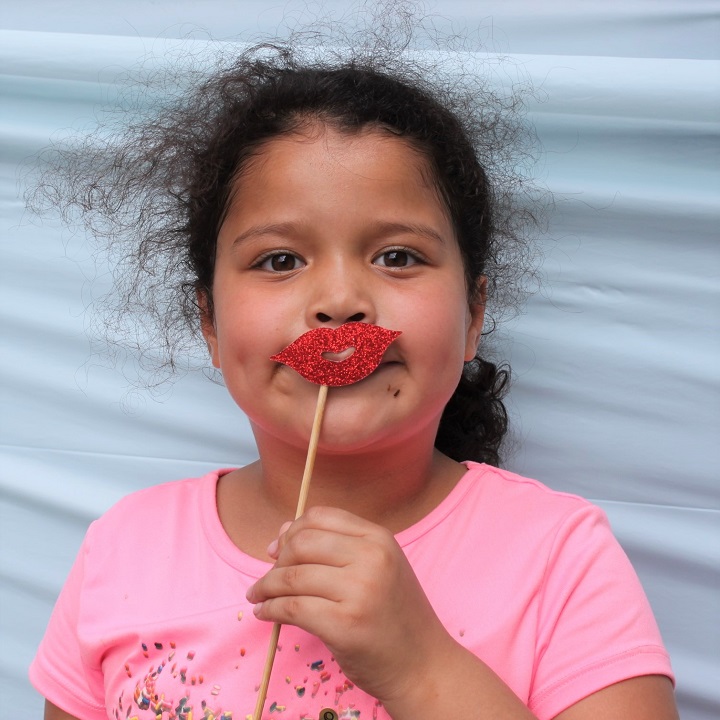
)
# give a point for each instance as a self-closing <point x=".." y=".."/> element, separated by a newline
<point x="380" y="229"/>
<point x="271" y="228"/>
<point x="390" y="228"/>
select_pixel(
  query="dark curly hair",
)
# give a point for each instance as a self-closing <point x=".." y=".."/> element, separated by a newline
<point x="157" y="189"/>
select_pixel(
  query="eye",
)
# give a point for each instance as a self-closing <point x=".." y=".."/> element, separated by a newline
<point x="397" y="258"/>
<point x="279" y="262"/>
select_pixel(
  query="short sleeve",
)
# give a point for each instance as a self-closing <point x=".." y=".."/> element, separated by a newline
<point x="596" y="626"/>
<point x="60" y="671"/>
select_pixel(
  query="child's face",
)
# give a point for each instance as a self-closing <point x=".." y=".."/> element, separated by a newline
<point x="323" y="228"/>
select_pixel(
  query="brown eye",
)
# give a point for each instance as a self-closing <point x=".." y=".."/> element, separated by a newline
<point x="396" y="259"/>
<point x="281" y="262"/>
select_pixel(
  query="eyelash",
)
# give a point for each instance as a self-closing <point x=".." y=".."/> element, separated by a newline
<point x="258" y="264"/>
<point x="416" y="257"/>
<point x="412" y="255"/>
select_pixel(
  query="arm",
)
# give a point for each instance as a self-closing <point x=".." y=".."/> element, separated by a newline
<point x="470" y="689"/>
<point x="53" y="712"/>
<point x="649" y="697"/>
<point x="346" y="581"/>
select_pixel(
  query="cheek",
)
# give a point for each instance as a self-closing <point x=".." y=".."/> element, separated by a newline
<point x="446" y="319"/>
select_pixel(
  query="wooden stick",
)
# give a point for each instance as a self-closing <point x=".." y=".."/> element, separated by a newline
<point x="312" y="450"/>
<point x="302" y="500"/>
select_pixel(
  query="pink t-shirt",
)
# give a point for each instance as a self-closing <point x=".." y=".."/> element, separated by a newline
<point x="153" y="620"/>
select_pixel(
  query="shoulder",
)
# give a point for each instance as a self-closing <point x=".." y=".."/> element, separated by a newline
<point x="502" y="481"/>
<point x="155" y="514"/>
<point x="521" y="532"/>
<point x="559" y="575"/>
<point x="172" y="492"/>
<point x="147" y="543"/>
<point x="521" y="501"/>
<point x="560" y="540"/>
<point x="511" y="527"/>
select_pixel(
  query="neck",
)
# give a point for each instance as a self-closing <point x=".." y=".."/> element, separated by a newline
<point x="393" y="488"/>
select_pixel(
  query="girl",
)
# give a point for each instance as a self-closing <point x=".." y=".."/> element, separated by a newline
<point x="423" y="582"/>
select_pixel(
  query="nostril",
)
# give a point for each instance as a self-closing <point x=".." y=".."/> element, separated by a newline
<point x="357" y="317"/>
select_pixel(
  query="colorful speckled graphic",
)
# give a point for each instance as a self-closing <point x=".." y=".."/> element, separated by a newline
<point x="199" y="698"/>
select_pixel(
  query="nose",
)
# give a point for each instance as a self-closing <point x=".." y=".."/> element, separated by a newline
<point x="339" y="295"/>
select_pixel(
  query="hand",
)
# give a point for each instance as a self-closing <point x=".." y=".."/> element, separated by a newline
<point x="347" y="581"/>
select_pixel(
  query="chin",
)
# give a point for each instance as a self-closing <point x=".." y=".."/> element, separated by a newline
<point x="362" y="437"/>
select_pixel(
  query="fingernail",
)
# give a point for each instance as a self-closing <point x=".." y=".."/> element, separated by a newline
<point x="257" y="608"/>
<point x="249" y="593"/>
<point x="272" y="548"/>
<point x="284" y="527"/>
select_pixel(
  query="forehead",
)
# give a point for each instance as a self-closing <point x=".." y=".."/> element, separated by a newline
<point x="371" y="154"/>
<point x="321" y="175"/>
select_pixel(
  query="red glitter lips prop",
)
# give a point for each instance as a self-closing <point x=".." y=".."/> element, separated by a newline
<point x="305" y="355"/>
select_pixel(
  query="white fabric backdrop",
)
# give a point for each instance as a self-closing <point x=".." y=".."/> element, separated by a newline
<point x="616" y="361"/>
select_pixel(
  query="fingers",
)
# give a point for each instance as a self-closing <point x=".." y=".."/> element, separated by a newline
<point x="274" y="547"/>
<point x="337" y="524"/>
<point x="298" y="580"/>
<point x="325" y="562"/>
<point x="308" y="553"/>
<point x="334" y="520"/>
<point x="308" y="557"/>
<point x="313" y="614"/>
<point x="347" y="581"/>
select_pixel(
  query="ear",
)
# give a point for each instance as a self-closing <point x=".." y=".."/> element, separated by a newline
<point x="476" y="318"/>
<point x="207" y="326"/>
